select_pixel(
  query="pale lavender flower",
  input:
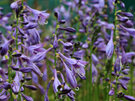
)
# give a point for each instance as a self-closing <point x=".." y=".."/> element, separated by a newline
<point x="56" y="82"/>
<point x="70" y="76"/>
<point x="16" y="84"/>
<point x="40" y="16"/>
<point x="110" y="47"/>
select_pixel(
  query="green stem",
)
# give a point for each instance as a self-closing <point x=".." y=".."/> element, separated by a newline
<point x="9" y="73"/>
<point x="91" y="86"/>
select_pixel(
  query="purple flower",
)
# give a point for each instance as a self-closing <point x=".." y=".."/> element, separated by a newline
<point x="56" y="82"/>
<point x="40" y="16"/>
<point x="110" y="47"/>
<point x="25" y="69"/>
<point x="68" y="29"/>
<point x="77" y="64"/>
<point x="55" y="42"/>
<point x="40" y="56"/>
<point x="130" y="98"/>
<point x="129" y="30"/>
<point x="128" y="14"/>
<point x="28" y="98"/>
<point x="16" y="83"/>
<point x="32" y="87"/>
<point x="15" y="4"/>
<point x="111" y="92"/>
<point x="70" y="76"/>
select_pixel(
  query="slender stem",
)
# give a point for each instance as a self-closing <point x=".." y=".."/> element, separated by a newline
<point x="114" y="39"/>
<point x="17" y="21"/>
<point x="9" y="73"/>
<point x="91" y="86"/>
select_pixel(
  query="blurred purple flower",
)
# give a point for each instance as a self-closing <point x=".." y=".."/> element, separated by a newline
<point x="110" y="47"/>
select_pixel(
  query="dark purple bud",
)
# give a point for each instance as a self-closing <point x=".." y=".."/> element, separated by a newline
<point x="57" y="15"/>
<point x="68" y="29"/>
<point x="15" y="67"/>
<point x="32" y="87"/>
<point x="16" y="53"/>
<point x="26" y="69"/>
<point x="28" y="98"/>
<point x="130" y="98"/>
<point x="28" y="78"/>
<point x="62" y="21"/>
<point x="128" y="14"/>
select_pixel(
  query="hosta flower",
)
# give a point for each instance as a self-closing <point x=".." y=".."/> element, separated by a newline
<point x="121" y="18"/>
<point x="130" y="98"/>
<point x="129" y="30"/>
<point x="40" y="16"/>
<point x="128" y="14"/>
<point x="111" y="92"/>
<point x="77" y="64"/>
<point x="110" y="47"/>
<point x="55" y="42"/>
<point x="32" y="87"/>
<point x="70" y="76"/>
<point x="15" y="4"/>
<point x="34" y="37"/>
<point x="16" y="84"/>
<point x="28" y="98"/>
<point x="68" y="29"/>
<point x="40" y="56"/>
<point x="5" y="46"/>
<point x="56" y="82"/>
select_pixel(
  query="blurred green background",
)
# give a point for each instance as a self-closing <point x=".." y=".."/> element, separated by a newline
<point x="51" y="4"/>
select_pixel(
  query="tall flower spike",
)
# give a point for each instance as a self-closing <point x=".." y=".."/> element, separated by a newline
<point x="110" y="47"/>
<point x="70" y="76"/>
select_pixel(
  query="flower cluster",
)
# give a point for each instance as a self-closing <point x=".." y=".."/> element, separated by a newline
<point x="85" y="44"/>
